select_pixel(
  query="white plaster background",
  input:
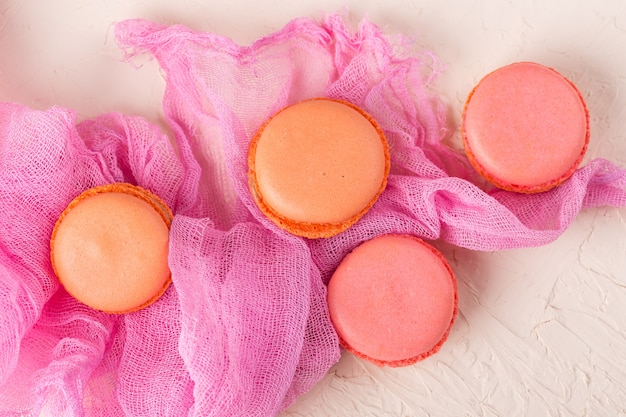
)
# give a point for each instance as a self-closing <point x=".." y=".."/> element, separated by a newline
<point x="541" y="331"/>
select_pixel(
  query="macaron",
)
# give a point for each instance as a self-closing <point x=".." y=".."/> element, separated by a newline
<point x="317" y="166"/>
<point x="393" y="300"/>
<point x="109" y="248"/>
<point x="525" y="127"/>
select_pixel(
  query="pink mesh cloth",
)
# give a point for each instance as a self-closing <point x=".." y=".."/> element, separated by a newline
<point x="244" y="328"/>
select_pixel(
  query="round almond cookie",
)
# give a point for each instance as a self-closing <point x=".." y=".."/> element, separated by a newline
<point x="393" y="300"/>
<point x="525" y="127"/>
<point x="109" y="248"/>
<point x="317" y="166"/>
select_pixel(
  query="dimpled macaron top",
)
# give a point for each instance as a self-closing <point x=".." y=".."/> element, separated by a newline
<point x="317" y="166"/>
<point x="393" y="300"/>
<point x="109" y="248"/>
<point x="525" y="127"/>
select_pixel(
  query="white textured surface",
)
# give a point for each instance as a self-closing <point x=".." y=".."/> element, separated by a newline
<point x="541" y="331"/>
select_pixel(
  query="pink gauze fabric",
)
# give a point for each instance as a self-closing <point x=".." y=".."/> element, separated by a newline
<point x="244" y="328"/>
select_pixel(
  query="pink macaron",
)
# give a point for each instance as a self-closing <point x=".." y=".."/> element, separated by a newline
<point x="393" y="300"/>
<point x="525" y="127"/>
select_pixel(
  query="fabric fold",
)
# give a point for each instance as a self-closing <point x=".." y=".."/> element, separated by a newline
<point x="255" y="334"/>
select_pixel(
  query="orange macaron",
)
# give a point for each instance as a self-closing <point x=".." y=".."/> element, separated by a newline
<point x="525" y="127"/>
<point x="109" y="248"/>
<point x="316" y="167"/>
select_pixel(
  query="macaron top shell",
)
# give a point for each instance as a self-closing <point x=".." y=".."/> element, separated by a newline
<point x="525" y="127"/>
<point x="109" y="248"/>
<point x="392" y="300"/>
<point x="318" y="162"/>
